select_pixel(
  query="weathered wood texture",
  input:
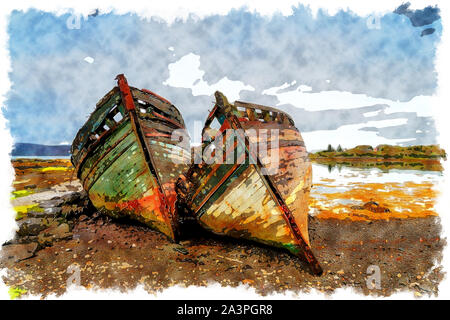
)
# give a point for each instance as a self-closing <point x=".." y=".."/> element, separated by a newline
<point x="124" y="157"/>
<point x="292" y="170"/>
<point x="237" y="199"/>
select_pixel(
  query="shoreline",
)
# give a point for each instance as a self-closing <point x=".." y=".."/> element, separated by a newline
<point x="384" y="164"/>
<point x="120" y="254"/>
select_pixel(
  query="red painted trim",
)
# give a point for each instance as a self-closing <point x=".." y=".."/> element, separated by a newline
<point x="225" y="126"/>
<point x="212" y="113"/>
<point x="128" y="101"/>
<point x="167" y="119"/>
<point x="157" y="134"/>
<point x="276" y="196"/>
<point x="126" y="92"/>
<point x="156" y="95"/>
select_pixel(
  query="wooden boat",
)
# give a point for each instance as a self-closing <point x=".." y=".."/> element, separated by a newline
<point x="124" y="156"/>
<point x="252" y="198"/>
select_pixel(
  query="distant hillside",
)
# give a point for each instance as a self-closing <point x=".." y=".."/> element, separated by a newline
<point x="31" y="149"/>
<point x="382" y="151"/>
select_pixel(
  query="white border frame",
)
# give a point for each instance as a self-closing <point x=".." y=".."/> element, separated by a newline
<point x="169" y="10"/>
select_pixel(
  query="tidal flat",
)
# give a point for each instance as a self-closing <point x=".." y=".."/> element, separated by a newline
<point x="361" y="219"/>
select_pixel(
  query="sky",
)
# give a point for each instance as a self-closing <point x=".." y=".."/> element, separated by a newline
<point x="345" y="79"/>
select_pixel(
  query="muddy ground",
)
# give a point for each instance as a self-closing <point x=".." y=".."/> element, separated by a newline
<point x="120" y="254"/>
<point x="61" y="236"/>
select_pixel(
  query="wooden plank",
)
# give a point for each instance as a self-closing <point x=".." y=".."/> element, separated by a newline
<point x="262" y="108"/>
<point x="165" y="107"/>
<point x="166" y="202"/>
<point x="118" y="168"/>
<point x="240" y="200"/>
<point x="123" y="129"/>
<point x="94" y="121"/>
<point x="287" y="213"/>
<point x="149" y="124"/>
<point x="246" y="209"/>
<point x="99" y="164"/>
<point x="126" y="188"/>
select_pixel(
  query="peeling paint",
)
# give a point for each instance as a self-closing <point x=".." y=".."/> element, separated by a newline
<point x="237" y="199"/>
<point x="119" y="163"/>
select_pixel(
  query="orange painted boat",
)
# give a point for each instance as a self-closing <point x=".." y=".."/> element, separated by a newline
<point x="238" y="189"/>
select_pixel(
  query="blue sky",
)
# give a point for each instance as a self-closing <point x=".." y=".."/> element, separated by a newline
<point x="341" y="77"/>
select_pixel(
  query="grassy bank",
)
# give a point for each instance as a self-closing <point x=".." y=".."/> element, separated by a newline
<point x="384" y="157"/>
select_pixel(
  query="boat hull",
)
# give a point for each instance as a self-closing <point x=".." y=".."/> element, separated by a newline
<point x="288" y="165"/>
<point x="127" y="166"/>
<point x="252" y="198"/>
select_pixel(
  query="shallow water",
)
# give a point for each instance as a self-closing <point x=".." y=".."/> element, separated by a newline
<point x="342" y="192"/>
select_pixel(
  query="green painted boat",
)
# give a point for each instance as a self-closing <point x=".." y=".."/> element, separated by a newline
<point x="126" y="159"/>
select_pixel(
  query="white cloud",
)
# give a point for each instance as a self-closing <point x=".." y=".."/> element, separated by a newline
<point x="304" y="88"/>
<point x="326" y="100"/>
<point x="186" y="73"/>
<point x="89" y="59"/>
<point x="256" y="65"/>
<point x="349" y="136"/>
<point x="371" y="114"/>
